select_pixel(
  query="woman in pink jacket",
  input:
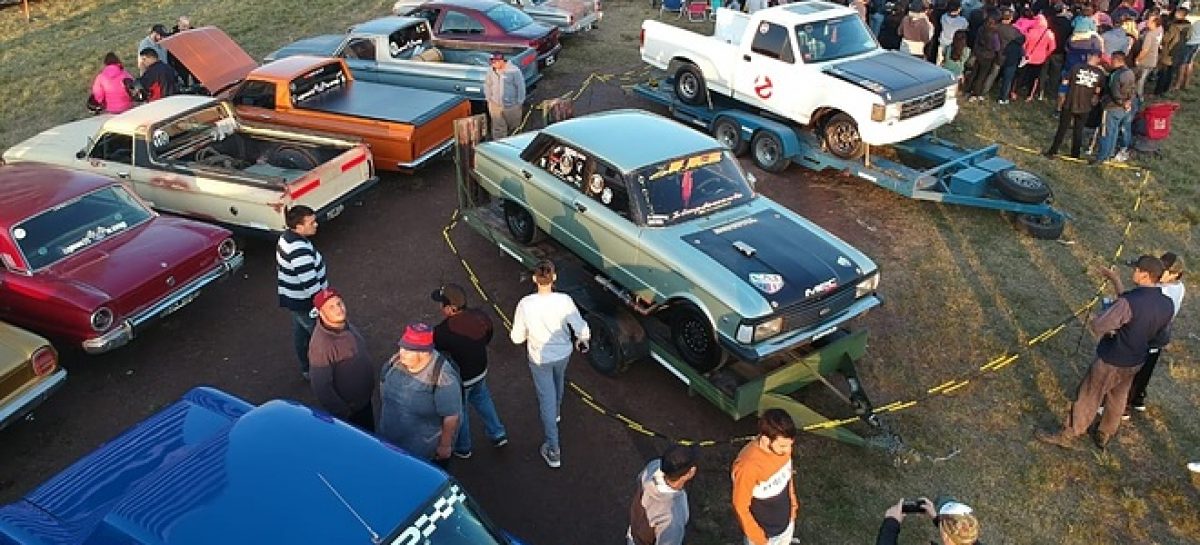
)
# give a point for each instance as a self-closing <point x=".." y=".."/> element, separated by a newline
<point x="1039" y="44"/>
<point x="108" y="89"/>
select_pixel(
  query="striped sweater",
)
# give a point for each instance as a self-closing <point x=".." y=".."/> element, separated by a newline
<point x="301" y="272"/>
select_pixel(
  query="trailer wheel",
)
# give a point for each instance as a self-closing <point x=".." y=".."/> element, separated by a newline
<point x="617" y="341"/>
<point x="693" y="337"/>
<point x="842" y="137"/>
<point x="767" y="152"/>
<point x="1043" y="227"/>
<point x="729" y="133"/>
<point x="689" y="85"/>
<point x="1022" y="186"/>
<point x="520" y="224"/>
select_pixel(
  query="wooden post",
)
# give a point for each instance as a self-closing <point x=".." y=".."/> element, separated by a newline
<point x="468" y="132"/>
<point x="26" y="4"/>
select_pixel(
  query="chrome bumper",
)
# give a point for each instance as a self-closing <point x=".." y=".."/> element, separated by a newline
<point x="125" y="331"/>
<point x="434" y="152"/>
<point x="25" y="402"/>
<point x="791" y="339"/>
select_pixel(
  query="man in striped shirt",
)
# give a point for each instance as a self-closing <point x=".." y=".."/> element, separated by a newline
<point x="301" y="274"/>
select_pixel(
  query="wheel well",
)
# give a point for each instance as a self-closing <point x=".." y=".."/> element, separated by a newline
<point x="678" y="301"/>
<point x="821" y="115"/>
<point x="676" y="62"/>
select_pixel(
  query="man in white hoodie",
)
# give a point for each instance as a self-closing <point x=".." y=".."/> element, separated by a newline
<point x="659" y="512"/>
<point x="545" y="321"/>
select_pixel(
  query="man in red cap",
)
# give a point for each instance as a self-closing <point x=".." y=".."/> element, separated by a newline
<point x="421" y="398"/>
<point x="340" y="368"/>
<point x="504" y="89"/>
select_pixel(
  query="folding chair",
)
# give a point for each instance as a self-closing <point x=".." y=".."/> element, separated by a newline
<point x="697" y="10"/>
<point x="674" y="6"/>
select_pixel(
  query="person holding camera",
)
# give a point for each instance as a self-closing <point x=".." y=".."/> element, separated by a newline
<point x="955" y="521"/>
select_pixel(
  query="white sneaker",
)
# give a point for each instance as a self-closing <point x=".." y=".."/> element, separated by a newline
<point x="1122" y="156"/>
<point x="1194" y="467"/>
<point x="551" y="456"/>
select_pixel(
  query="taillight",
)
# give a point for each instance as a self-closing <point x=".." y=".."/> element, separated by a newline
<point x="45" y="360"/>
<point x="227" y="249"/>
<point x="528" y="60"/>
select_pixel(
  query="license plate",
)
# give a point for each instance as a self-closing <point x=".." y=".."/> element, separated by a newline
<point x="180" y="303"/>
<point x="550" y="60"/>
<point x="334" y="212"/>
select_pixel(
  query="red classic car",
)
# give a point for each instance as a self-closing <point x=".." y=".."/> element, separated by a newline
<point x="489" y="23"/>
<point x="85" y="261"/>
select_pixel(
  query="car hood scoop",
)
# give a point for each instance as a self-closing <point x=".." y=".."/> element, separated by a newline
<point x="781" y="259"/>
<point x="894" y="76"/>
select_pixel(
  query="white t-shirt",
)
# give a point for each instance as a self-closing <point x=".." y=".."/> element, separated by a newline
<point x="541" y="322"/>
<point x="1174" y="290"/>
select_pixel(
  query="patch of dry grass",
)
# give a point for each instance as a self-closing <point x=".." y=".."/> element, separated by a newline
<point x="961" y="287"/>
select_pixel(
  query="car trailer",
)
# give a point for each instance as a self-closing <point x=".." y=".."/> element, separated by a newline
<point x="621" y="337"/>
<point x="926" y="168"/>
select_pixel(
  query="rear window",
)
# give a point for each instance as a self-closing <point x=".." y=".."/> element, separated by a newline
<point x="450" y="518"/>
<point x="324" y="79"/>
<point x="72" y="227"/>
<point x="508" y="17"/>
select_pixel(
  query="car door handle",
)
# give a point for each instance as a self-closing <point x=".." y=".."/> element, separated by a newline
<point x="580" y="206"/>
<point x="526" y="174"/>
<point x="746" y="58"/>
<point x="123" y="174"/>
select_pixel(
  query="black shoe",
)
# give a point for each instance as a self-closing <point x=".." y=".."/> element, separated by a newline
<point x="500" y="441"/>
<point x="1049" y="154"/>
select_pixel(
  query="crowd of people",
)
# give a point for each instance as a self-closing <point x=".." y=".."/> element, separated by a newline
<point x="1098" y="61"/>
<point x="115" y="89"/>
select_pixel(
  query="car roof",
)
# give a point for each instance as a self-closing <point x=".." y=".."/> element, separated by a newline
<point x="29" y="188"/>
<point x="802" y="12"/>
<point x="154" y="112"/>
<point x="608" y="136"/>
<point x="477" y="5"/>
<point x="384" y="25"/>
<point x="290" y="68"/>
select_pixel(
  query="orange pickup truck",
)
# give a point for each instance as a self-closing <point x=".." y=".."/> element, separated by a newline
<point x="404" y="127"/>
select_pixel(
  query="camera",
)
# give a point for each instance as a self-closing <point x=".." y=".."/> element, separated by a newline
<point x="913" y="506"/>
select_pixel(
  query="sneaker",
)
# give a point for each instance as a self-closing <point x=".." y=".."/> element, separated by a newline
<point x="1122" y="156"/>
<point x="551" y="456"/>
<point x="1058" y="439"/>
<point x="463" y="455"/>
<point x="500" y="441"/>
<point x="1125" y="415"/>
<point x="1002" y="102"/>
<point x="1139" y="407"/>
<point x="1194" y="467"/>
<point x="558" y="419"/>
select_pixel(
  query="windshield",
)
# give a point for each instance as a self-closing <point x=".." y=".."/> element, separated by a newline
<point x="692" y="186"/>
<point x="212" y="122"/>
<point x="450" y="518"/>
<point x="73" y="226"/>
<point x="834" y="39"/>
<point x="508" y="17"/>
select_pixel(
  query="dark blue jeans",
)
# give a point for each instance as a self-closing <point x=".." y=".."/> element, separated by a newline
<point x="302" y="327"/>
<point x="1009" y="73"/>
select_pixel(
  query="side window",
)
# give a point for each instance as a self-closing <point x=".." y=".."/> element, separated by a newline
<point x="359" y="48"/>
<point x="461" y="23"/>
<point x="772" y="41"/>
<point x="608" y="187"/>
<point x="427" y="14"/>
<point x="259" y="94"/>
<point x="566" y="164"/>
<point x="113" y="147"/>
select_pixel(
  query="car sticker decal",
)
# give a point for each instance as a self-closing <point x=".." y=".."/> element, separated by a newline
<point x="606" y="195"/>
<point x="762" y="87"/>
<point x="160" y="139"/>
<point x="99" y="233"/>
<point x="690" y="163"/>
<point x="19" y="233"/>
<point x="426" y="524"/>
<point x="768" y="283"/>
<point x="596" y="185"/>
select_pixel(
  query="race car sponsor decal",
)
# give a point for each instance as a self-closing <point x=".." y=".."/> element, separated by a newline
<point x="690" y="163"/>
<point x="160" y="138"/>
<point x="768" y="283"/>
<point x="735" y="225"/>
<point x="823" y="287"/>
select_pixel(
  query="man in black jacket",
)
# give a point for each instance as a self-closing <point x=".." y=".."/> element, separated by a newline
<point x="463" y="336"/>
<point x="955" y="522"/>
<point x="1127" y="330"/>
<point x="158" y="78"/>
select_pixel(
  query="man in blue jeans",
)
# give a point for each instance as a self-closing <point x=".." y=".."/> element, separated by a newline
<point x="463" y="336"/>
<point x="1118" y="110"/>
<point x="300" y="274"/>
<point x="545" y="321"/>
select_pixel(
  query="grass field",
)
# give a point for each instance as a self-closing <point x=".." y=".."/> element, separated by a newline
<point x="961" y="287"/>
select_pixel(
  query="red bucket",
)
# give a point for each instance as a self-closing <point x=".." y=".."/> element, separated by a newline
<point x="1158" y="119"/>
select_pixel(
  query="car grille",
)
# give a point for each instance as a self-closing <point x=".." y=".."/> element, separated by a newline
<point x="806" y="314"/>
<point x="920" y="105"/>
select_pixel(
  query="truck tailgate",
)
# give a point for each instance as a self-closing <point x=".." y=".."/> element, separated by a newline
<point x="328" y="187"/>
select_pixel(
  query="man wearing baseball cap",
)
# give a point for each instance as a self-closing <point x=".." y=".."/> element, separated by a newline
<point x="1127" y="330"/>
<point x="464" y="335"/>
<point x="340" y="368"/>
<point x="955" y="522"/>
<point x="504" y="89"/>
<point x="421" y="397"/>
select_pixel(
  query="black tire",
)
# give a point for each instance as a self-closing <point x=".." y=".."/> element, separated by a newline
<point x="729" y="133"/>
<point x="689" y="85"/>
<point x="694" y="340"/>
<point x="1043" y="227"/>
<point x="617" y="341"/>
<point x="841" y="137"/>
<point x="767" y="151"/>
<point x="1022" y="186"/>
<point x="293" y="157"/>
<point x="520" y="224"/>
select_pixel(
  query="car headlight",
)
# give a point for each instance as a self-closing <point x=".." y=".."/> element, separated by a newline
<point x="752" y="333"/>
<point x="227" y="249"/>
<point x="881" y="112"/>
<point x="867" y="287"/>
<point x="102" y="319"/>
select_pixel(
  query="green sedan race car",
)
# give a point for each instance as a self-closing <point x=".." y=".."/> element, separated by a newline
<point x="670" y="219"/>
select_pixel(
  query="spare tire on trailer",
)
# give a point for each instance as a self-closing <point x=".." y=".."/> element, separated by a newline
<point x="1022" y="186"/>
<point x="1043" y="227"/>
<point x="617" y="341"/>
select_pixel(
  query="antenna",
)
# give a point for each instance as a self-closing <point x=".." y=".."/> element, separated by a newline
<point x="374" y="536"/>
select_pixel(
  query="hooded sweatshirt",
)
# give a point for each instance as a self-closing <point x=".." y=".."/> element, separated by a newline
<point x="109" y="89"/>
<point x="659" y="513"/>
<point x="916" y="31"/>
<point x="1039" y="41"/>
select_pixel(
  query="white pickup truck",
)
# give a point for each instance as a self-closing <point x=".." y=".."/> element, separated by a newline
<point x="815" y="63"/>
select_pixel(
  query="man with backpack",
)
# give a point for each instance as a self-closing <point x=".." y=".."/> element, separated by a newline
<point x="1118" y="110"/>
<point x="421" y="398"/>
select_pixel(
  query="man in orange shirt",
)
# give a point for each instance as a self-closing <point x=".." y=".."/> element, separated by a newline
<point x="764" y="494"/>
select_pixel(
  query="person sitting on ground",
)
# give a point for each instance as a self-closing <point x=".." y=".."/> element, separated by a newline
<point x="110" y="88"/>
<point x="955" y="522"/>
<point x="158" y="78"/>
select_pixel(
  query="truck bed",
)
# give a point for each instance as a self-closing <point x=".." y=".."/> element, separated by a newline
<point x="383" y="102"/>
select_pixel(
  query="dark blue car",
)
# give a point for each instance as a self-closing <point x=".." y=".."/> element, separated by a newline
<point x="212" y="469"/>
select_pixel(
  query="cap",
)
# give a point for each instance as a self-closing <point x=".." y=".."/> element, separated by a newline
<point x="418" y="337"/>
<point x="497" y="56"/>
<point x="324" y="296"/>
<point x="957" y="521"/>
<point x="1150" y="264"/>
<point x="450" y="294"/>
<point x="160" y="30"/>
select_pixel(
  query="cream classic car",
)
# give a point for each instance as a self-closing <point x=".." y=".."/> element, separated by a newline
<point x="29" y="372"/>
